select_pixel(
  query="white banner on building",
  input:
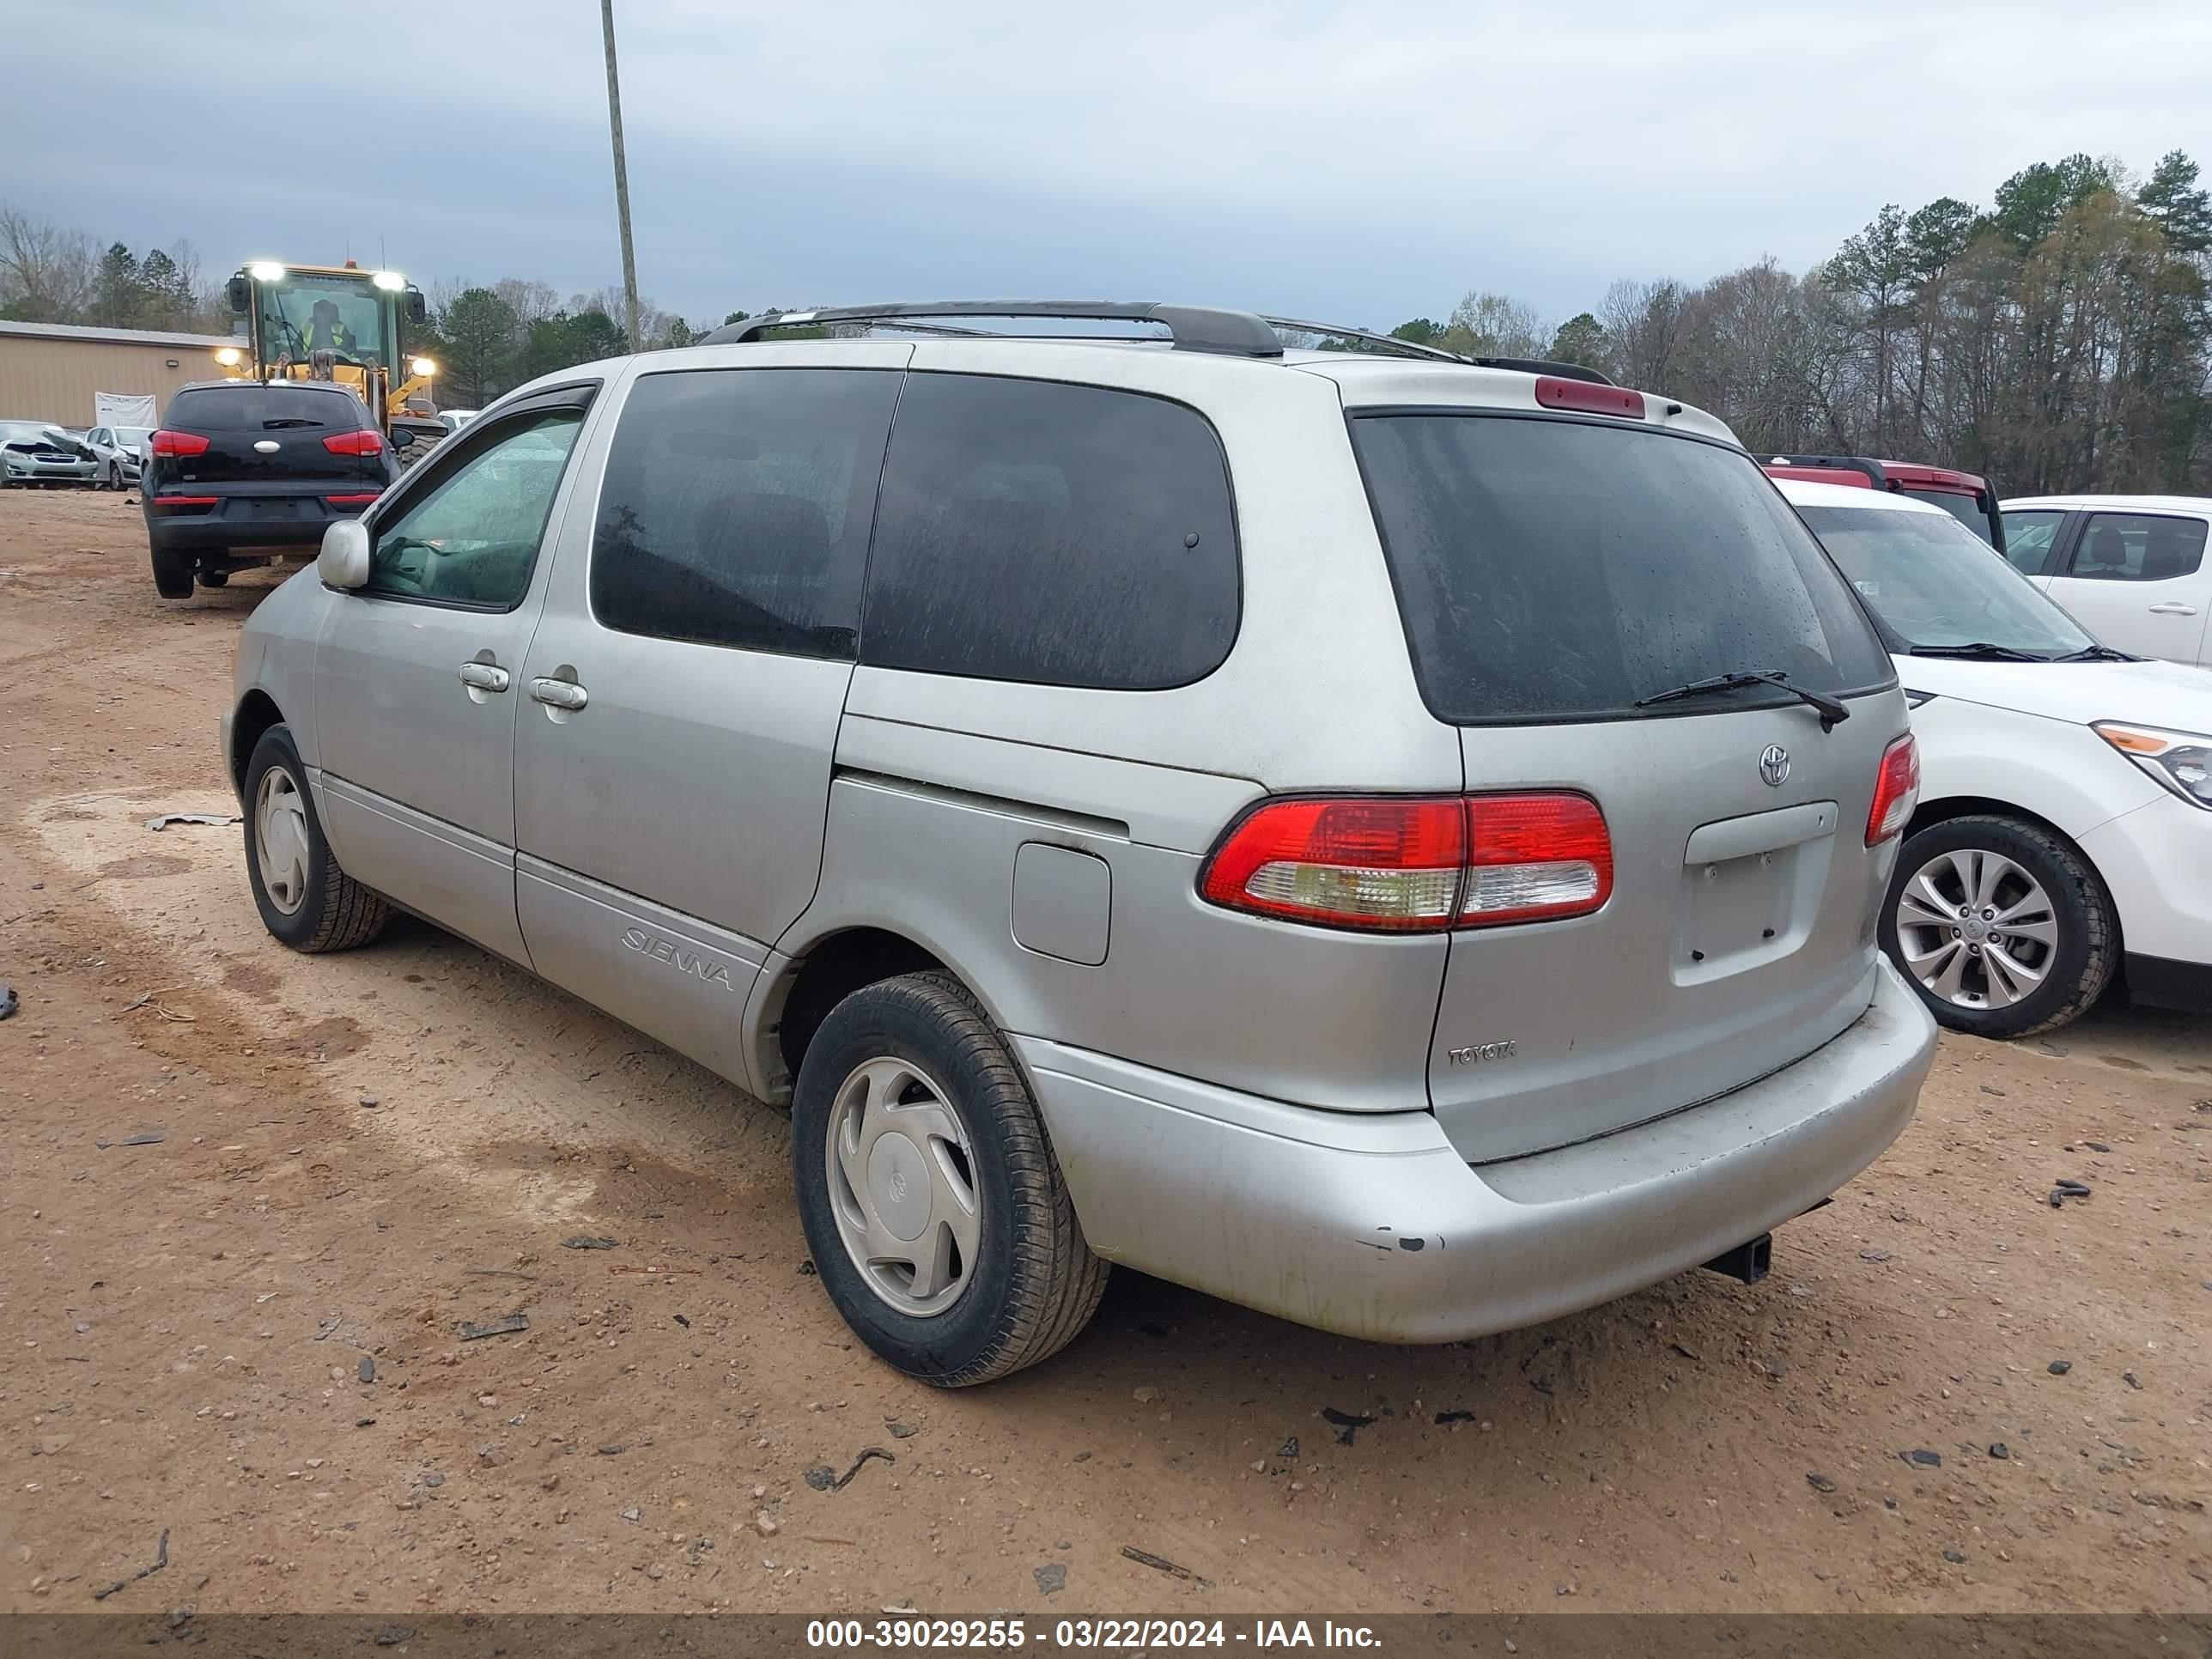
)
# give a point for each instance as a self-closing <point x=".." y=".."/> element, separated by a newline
<point x="122" y="408"/>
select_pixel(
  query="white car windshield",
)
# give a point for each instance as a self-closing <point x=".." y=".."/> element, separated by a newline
<point x="1937" y="588"/>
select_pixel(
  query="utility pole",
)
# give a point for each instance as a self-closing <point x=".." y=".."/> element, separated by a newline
<point x="622" y="176"/>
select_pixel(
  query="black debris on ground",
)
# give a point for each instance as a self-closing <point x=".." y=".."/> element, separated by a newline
<point x="1289" y="1447"/>
<point x="900" y="1430"/>
<point x="1161" y="1564"/>
<point x="1051" y="1578"/>
<point x="7" y="1002"/>
<point x="160" y="1560"/>
<point x="506" y="1327"/>
<point x="1455" y="1417"/>
<point x="1999" y="1450"/>
<point x="2059" y="1367"/>
<point x="586" y="1242"/>
<point x="822" y="1478"/>
<point x="367" y="1370"/>
<point x="1819" y="1483"/>
<point x="1348" y="1424"/>
<point x="1923" y="1458"/>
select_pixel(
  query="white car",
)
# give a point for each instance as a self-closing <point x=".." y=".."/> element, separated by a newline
<point x="2063" y="837"/>
<point x="121" y="452"/>
<point x="2133" y="569"/>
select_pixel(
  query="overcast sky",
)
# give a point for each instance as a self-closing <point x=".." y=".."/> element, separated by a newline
<point x="1361" y="162"/>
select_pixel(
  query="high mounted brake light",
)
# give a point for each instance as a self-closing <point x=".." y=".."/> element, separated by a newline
<point x="1402" y="864"/>
<point x="1552" y="393"/>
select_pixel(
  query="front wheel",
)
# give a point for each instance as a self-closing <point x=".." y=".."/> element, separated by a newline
<point x="304" y="898"/>
<point x="934" y="1208"/>
<point x="2002" y="925"/>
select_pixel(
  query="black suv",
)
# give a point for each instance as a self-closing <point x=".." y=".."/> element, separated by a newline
<point x="260" y="467"/>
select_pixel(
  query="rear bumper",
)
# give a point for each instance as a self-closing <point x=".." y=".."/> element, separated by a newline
<point x="1372" y="1225"/>
<point x="249" y="522"/>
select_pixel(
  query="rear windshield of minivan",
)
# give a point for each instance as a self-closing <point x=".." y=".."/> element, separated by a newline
<point x="1556" y="569"/>
<point x="264" y="408"/>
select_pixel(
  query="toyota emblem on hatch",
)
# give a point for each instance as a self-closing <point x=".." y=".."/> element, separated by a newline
<point x="1774" y="765"/>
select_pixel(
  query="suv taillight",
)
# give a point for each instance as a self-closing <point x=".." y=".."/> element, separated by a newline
<point x="353" y="443"/>
<point x="179" y="443"/>
<point x="1398" y="864"/>
<point x="1896" y="790"/>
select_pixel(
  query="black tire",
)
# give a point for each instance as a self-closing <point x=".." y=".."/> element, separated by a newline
<point x="115" y="477"/>
<point x="2079" y="966"/>
<point x="1034" y="1282"/>
<point x="336" y="912"/>
<point x="173" y="572"/>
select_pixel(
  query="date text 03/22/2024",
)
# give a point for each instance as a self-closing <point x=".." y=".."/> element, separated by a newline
<point x="1076" y="1633"/>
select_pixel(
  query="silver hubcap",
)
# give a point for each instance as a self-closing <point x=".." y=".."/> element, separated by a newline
<point x="1975" y="929"/>
<point x="280" y="839"/>
<point x="902" y="1186"/>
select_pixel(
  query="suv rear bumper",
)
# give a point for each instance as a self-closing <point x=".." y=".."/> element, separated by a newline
<point x="264" y="520"/>
<point x="1372" y="1225"/>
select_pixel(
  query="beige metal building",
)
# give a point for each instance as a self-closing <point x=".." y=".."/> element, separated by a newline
<point x="49" y="371"/>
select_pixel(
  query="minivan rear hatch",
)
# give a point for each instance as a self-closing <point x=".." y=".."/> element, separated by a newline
<point x="1556" y="575"/>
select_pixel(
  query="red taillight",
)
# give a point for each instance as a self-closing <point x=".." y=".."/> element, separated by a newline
<point x="353" y="443"/>
<point x="349" y="501"/>
<point x="1554" y="392"/>
<point x="163" y="503"/>
<point x="179" y="443"/>
<point x="1396" y="864"/>
<point x="1896" y="790"/>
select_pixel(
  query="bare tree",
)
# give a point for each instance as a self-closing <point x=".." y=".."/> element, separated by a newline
<point x="47" y="271"/>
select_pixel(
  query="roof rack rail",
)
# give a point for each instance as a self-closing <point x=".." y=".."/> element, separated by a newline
<point x="1544" y="366"/>
<point x="1389" y="343"/>
<point x="1190" y="328"/>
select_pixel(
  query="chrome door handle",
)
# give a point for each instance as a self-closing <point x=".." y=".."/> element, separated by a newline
<point x="485" y="676"/>
<point x="559" y="694"/>
<point x="2173" y="608"/>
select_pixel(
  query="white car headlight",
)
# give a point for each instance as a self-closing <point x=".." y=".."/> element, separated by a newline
<point x="2182" y="761"/>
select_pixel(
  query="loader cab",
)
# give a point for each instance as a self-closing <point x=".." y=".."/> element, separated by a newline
<point x="339" y="323"/>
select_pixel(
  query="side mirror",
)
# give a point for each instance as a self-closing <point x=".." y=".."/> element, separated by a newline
<point x="418" y="310"/>
<point x="240" y="291"/>
<point x="343" y="562"/>
<point x="402" y="438"/>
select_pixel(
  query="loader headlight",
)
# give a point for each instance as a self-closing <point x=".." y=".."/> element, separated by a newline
<point x="229" y="356"/>
<point x="265" y="270"/>
<point x="390" y="281"/>
<point x="2182" y="761"/>
<point x="422" y="367"/>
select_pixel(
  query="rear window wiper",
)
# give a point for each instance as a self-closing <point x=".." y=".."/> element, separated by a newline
<point x="1832" y="712"/>
<point x="1977" y="651"/>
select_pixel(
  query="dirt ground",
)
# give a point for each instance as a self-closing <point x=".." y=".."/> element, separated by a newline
<point x="243" y="1333"/>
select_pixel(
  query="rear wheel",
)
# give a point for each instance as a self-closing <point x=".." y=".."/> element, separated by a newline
<point x="932" y="1202"/>
<point x="2002" y="925"/>
<point x="304" y="898"/>
<point x="173" y="572"/>
<point x="115" y="476"/>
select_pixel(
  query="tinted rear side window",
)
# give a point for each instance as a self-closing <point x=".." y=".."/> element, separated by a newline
<point x="1553" y="570"/>
<point x="1968" y="510"/>
<point x="1058" y="535"/>
<point x="265" y="408"/>
<point x="736" y="507"/>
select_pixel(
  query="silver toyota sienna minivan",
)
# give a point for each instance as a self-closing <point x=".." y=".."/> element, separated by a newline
<point x="1390" y="840"/>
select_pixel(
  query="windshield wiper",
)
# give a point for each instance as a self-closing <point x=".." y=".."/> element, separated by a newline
<point x="1978" y="651"/>
<point x="1832" y="712"/>
<point x="2096" y="653"/>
